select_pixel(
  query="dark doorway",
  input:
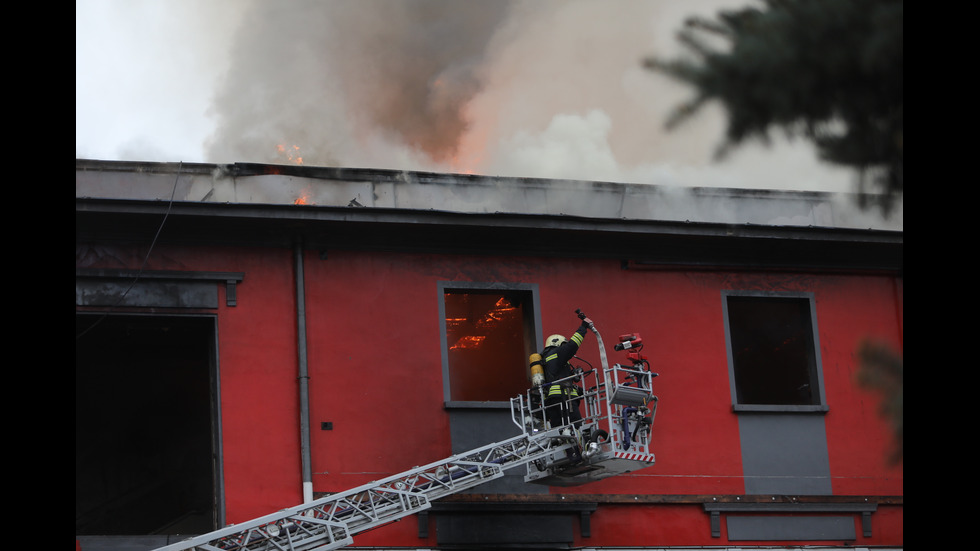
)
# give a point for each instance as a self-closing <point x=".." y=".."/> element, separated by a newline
<point x="143" y="425"/>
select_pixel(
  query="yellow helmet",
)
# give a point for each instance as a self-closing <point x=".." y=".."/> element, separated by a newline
<point x="554" y="340"/>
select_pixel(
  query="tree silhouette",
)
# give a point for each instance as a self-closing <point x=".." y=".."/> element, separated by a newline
<point x="882" y="370"/>
<point x="830" y="71"/>
<point x="827" y="70"/>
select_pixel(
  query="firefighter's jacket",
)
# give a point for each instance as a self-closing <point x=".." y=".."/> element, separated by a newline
<point x="556" y="364"/>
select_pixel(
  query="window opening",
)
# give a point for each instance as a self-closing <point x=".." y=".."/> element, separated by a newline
<point x="489" y="334"/>
<point x="773" y="353"/>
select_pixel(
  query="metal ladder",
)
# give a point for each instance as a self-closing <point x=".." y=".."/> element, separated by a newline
<point x="332" y="521"/>
<point x="620" y="406"/>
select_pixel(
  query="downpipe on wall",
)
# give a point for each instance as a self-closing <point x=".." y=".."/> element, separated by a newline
<point x="303" y="376"/>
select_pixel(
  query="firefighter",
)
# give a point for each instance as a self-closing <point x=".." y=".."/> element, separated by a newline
<point x="557" y="352"/>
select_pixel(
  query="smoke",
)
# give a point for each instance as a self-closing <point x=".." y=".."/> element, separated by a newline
<point x="374" y="83"/>
<point x="543" y="88"/>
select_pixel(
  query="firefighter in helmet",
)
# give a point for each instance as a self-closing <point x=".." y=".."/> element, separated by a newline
<point x="559" y="397"/>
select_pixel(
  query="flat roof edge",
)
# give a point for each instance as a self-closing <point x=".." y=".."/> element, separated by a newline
<point x="327" y="187"/>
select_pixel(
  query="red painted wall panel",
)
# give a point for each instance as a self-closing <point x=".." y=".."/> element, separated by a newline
<point x="859" y="440"/>
<point x="374" y="333"/>
<point x="375" y="374"/>
<point x="376" y="319"/>
<point x="259" y="389"/>
<point x="375" y="366"/>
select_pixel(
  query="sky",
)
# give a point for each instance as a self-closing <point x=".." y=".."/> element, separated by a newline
<point x="526" y="88"/>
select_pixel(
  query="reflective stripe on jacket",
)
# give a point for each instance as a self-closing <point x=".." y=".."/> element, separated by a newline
<point x="556" y="390"/>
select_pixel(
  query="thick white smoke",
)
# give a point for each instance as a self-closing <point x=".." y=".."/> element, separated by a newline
<point x="536" y="88"/>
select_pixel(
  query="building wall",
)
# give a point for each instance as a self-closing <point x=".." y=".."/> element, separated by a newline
<point x="373" y="330"/>
<point x="375" y="366"/>
<point x="257" y="359"/>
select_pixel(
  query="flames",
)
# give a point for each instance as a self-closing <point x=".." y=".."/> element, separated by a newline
<point x="289" y="153"/>
<point x="461" y="162"/>
<point x="303" y="199"/>
<point x="468" y="341"/>
<point x="461" y="168"/>
<point x="473" y="332"/>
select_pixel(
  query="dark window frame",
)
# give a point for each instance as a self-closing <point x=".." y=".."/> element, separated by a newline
<point x="815" y="369"/>
<point x="531" y="339"/>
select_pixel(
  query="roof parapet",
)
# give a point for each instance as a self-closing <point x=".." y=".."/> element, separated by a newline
<point x="263" y="184"/>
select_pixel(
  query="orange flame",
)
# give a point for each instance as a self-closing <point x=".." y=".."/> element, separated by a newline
<point x="304" y="199"/>
<point x="458" y="168"/>
<point x="469" y="341"/>
<point x="290" y="153"/>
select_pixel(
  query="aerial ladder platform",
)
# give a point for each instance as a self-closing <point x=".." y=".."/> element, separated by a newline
<point x="613" y="437"/>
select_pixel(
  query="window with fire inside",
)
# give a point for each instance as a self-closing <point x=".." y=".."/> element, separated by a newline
<point x="490" y="331"/>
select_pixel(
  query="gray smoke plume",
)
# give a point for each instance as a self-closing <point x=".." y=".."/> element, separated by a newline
<point x="529" y="88"/>
<point x="371" y="82"/>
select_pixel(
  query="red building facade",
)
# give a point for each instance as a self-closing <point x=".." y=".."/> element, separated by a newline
<point x="237" y="357"/>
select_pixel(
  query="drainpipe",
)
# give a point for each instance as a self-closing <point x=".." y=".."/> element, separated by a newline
<point x="304" y="377"/>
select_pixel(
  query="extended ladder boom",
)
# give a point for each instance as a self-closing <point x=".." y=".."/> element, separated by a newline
<point x="612" y="438"/>
<point x="330" y="522"/>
